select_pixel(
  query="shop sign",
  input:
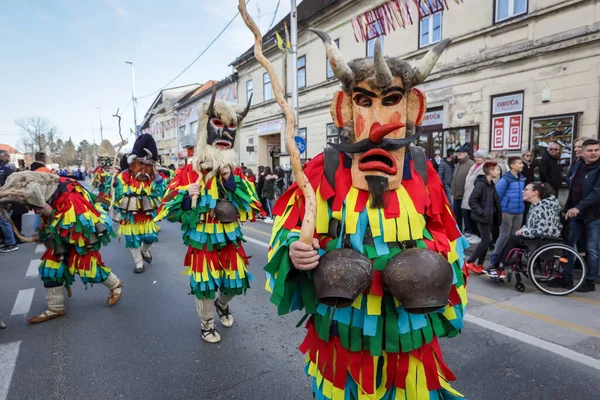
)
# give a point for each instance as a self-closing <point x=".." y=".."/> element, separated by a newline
<point x="433" y="118"/>
<point x="512" y="103"/>
<point x="506" y="134"/>
<point x="269" y="127"/>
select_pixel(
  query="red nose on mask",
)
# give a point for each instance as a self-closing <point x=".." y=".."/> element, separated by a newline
<point x="378" y="131"/>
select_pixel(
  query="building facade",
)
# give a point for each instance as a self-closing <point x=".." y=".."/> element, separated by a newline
<point x="518" y="74"/>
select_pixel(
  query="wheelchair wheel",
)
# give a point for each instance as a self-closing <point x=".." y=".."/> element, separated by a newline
<point x="547" y="264"/>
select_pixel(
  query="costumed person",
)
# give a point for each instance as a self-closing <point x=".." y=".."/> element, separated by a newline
<point x="73" y="231"/>
<point x="211" y="197"/>
<point x="166" y="173"/>
<point x="384" y="277"/>
<point x="103" y="173"/>
<point x="138" y="192"/>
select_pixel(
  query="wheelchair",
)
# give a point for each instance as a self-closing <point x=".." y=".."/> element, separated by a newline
<point x="542" y="260"/>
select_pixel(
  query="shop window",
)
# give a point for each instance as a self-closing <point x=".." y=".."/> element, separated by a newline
<point x="333" y="134"/>
<point x="302" y="133"/>
<point x="506" y="9"/>
<point x="561" y="129"/>
<point x="430" y="29"/>
<point x="267" y="88"/>
<point x="249" y="91"/>
<point x="330" y="73"/>
<point x="302" y="72"/>
<point x="374" y="31"/>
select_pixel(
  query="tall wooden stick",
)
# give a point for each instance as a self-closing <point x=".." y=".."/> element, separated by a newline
<point x="310" y="212"/>
<point x="15" y="230"/>
<point x="112" y="181"/>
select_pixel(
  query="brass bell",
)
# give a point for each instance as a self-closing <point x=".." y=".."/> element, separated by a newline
<point x="147" y="205"/>
<point x="123" y="205"/>
<point x="60" y="249"/>
<point x="93" y="239"/>
<point x="100" y="229"/>
<point x="226" y="212"/>
<point x="420" y="279"/>
<point x="342" y="275"/>
<point x="133" y="207"/>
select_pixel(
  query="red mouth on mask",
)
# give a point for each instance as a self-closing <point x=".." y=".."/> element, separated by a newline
<point x="378" y="160"/>
<point x="222" y="144"/>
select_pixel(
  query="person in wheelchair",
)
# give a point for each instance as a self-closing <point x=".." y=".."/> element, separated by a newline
<point x="543" y="222"/>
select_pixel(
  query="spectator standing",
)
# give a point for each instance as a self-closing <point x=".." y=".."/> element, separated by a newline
<point x="457" y="188"/>
<point x="268" y="192"/>
<point x="578" y="157"/>
<point x="259" y="186"/>
<point x="527" y="158"/>
<point x="583" y="205"/>
<point x="437" y="160"/>
<point x="485" y="211"/>
<point x="446" y="171"/>
<point x="543" y="220"/>
<point x="10" y="244"/>
<point x="549" y="166"/>
<point x="510" y="191"/>
<point x="39" y="163"/>
<point x="476" y="170"/>
<point x="251" y="176"/>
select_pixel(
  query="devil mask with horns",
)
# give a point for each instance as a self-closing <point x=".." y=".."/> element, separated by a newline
<point x="142" y="158"/>
<point x="218" y="125"/>
<point x="378" y="108"/>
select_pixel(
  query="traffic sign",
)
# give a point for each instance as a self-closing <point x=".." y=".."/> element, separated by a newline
<point x="300" y="144"/>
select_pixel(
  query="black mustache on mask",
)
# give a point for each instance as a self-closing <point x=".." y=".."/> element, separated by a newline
<point x="366" y="144"/>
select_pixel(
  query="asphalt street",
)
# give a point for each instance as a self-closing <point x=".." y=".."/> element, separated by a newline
<point x="514" y="345"/>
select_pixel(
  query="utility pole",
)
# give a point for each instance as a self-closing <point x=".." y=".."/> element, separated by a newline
<point x="100" y="116"/>
<point x="294" y="43"/>
<point x="133" y="101"/>
<point x="94" y="146"/>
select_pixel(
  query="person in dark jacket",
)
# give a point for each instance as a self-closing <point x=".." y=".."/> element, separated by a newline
<point x="549" y="166"/>
<point x="485" y="211"/>
<point x="527" y="158"/>
<point x="583" y="205"/>
<point x="510" y="191"/>
<point x="446" y="171"/>
<point x="268" y="192"/>
<point x="10" y="243"/>
<point x="577" y="144"/>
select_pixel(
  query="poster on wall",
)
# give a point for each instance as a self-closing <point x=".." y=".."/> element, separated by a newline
<point x="506" y="134"/>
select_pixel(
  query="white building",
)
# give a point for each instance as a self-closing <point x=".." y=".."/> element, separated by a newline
<point x="519" y="73"/>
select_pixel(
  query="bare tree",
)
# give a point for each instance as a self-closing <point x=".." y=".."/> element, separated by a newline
<point x="39" y="134"/>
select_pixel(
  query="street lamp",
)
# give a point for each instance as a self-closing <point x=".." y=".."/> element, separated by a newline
<point x="100" y="116"/>
<point x="133" y="96"/>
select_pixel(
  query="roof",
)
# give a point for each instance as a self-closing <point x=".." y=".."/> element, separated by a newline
<point x="204" y="90"/>
<point x="9" y="149"/>
<point x="306" y="10"/>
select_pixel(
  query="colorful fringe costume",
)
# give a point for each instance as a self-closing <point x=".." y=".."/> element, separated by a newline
<point x="138" y="227"/>
<point x="373" y="349"/>
<point x="102" y="180"/>
<point x="215" y="259"/>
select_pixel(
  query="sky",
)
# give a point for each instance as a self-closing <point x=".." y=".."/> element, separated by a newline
<point x="64" y="58"/>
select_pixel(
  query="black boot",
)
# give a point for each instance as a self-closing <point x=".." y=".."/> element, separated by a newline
<point x="588" y="286"/>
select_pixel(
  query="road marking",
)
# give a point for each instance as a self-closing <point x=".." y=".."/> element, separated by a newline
<point x="536" y="342"/>
<point x="584" y="300"/>
<point x="258" y="242"/>
<point x="8" y="359"/>
<point x="32" y="271"/>
<point x="247" y="228"/>
<point x="23" y="302"/>
<point x="541" y="317"/>
<point x="40" y="248"/>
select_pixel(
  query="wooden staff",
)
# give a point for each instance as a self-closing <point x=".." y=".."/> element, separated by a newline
<point x="112" y="181"/>
<point x="310" y="212"/>
<point x="17" y="233"/>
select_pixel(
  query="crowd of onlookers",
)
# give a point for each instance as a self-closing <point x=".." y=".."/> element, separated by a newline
<point x="270" y="184"/>
<point x="499" y="203"/>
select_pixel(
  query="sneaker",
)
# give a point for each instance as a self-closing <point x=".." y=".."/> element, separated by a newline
<point x="502" y="275"/>
<point x="492" y="272"/>
<point x="477" y="269"/>
<point x="7" y="249"/>
<point x="268" y="220"/>
<point x="560" y="283"/>
<point x="474" y="239"/>
<point x="588" y="286"/>
<point x="467" y="235"/>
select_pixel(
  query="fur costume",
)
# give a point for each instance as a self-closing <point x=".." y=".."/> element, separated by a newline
<point x="215" y="259"/>
<point x="374" y="349"/>
<point x="73" y="234"/>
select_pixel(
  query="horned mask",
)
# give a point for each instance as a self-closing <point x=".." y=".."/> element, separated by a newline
<point x="218" y="126"/>
<point x="378" y="109"/>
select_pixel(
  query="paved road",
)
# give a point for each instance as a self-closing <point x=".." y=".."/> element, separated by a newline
<point x="148" y="346"/>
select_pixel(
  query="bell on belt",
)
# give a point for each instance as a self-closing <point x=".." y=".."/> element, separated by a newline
<point x="92" y="240"/>
<point x="133" y="207"/>
<point x="226" y="212"/>
<point x="342" y="274"/>
<point x="420" y="279"/>
<point x="123" y="205"/>
<point x="100" y="229"/>
<point x="147" y="205"/>
<point x="60" y="249"/>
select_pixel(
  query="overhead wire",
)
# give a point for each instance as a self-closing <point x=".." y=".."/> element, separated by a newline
<point x="198" y="57"/>
<point x="274" y="15"/>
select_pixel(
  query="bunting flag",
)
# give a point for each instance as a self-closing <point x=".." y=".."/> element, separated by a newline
<point x="394" y="14"/>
